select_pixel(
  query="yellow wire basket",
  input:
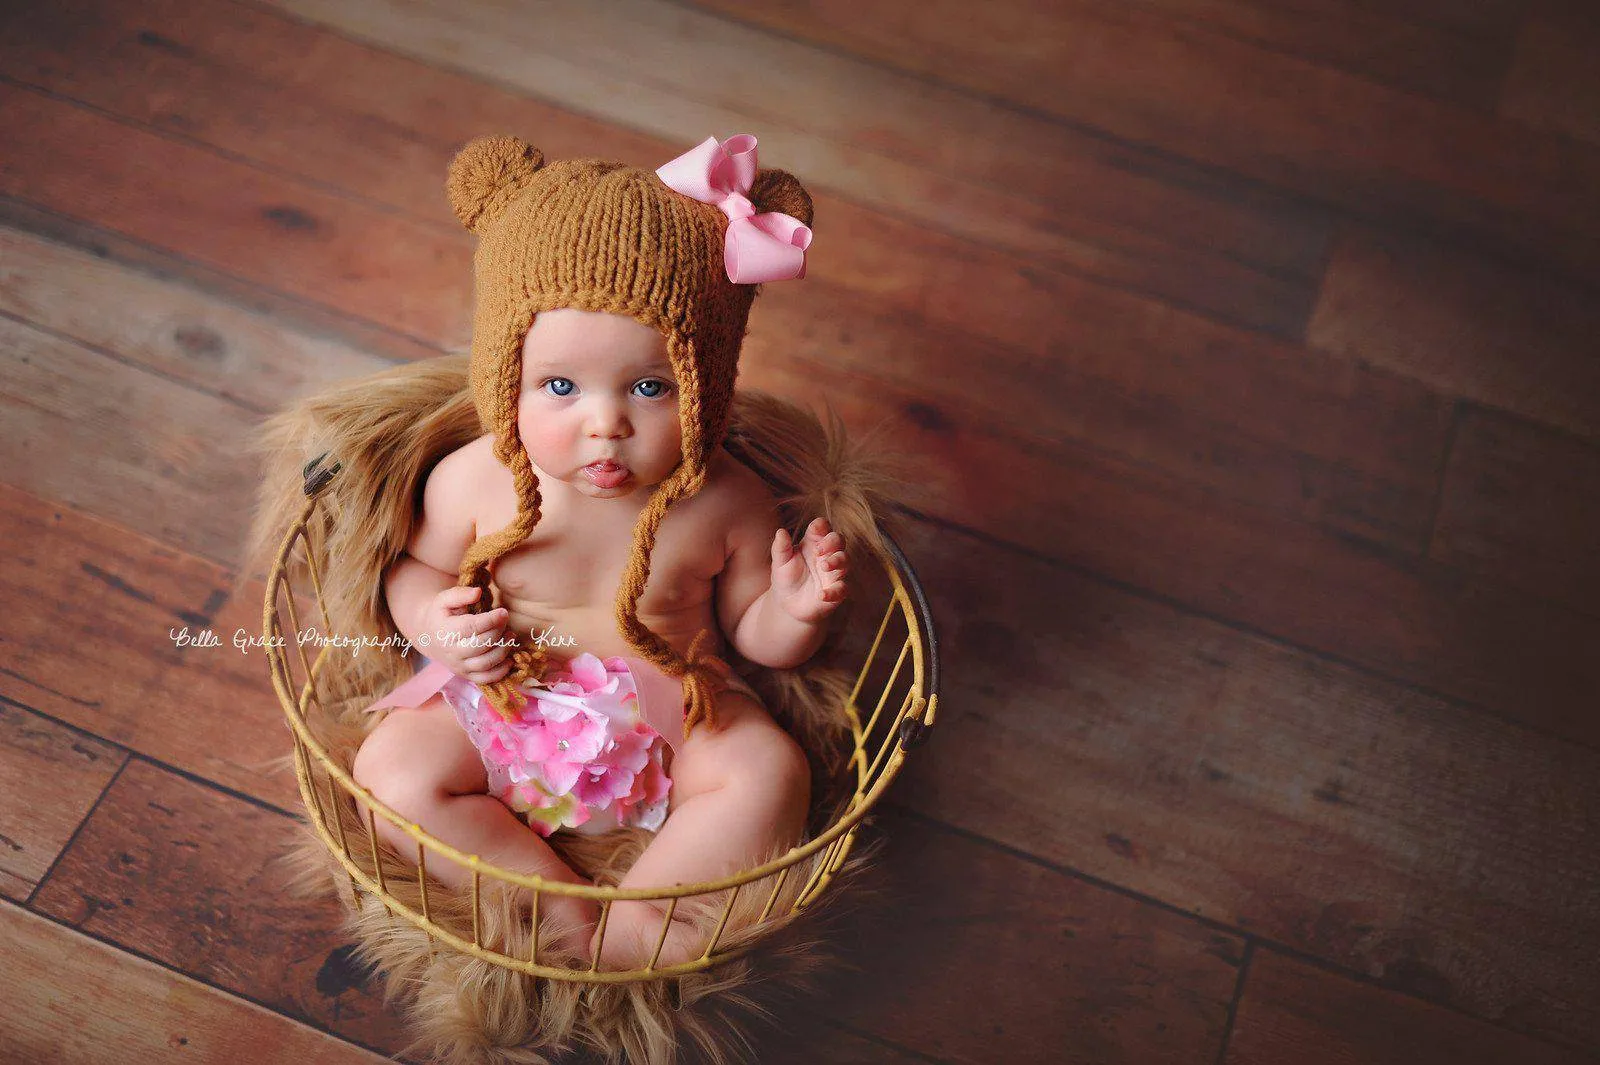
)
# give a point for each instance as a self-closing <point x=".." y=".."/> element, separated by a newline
<point x="899" y="705"/>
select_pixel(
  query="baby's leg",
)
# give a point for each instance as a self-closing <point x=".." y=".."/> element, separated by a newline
<point x="421" y="764"/>
<point x="737" y="794"/>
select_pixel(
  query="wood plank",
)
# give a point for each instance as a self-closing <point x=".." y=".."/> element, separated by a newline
<point x="232" y="216"/>
<point x="310" y="320"/>
<point x="1553" y="84"/>
<point x="96" y="433"/>
<point x="1138" y="76"/>
<point x="978" y="956"/>
<point x="36" y="821"/>
<point x="1295" y="1012"/>
<point x="59" y="984"/>
<point x="1463" y="325"/>
<point x="1346" y="447"/>
<point x="1438" y="849"/>
<point x="1522" y="504"/>
<point x="1034" y="187"/>
<point x="184" y="874"/>
<point x="248" y="359"/>
<point x="114" y="669"/>
<point x="1387" y="44"/>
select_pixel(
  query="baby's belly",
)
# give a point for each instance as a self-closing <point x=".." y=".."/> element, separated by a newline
<point x="569" y="631"/>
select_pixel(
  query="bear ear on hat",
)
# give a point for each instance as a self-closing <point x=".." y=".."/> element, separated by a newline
<point x="779" y="190"/>
<point x="487" y="174"/>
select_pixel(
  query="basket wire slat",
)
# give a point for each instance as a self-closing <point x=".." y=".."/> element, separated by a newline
<point x="661" y="940"/>
<point x="600" y="935"/>
<point x="477" y="906"/>
<point x="829" y="848"/>
<point x="883" y="698"/>
<point x="533" y="945"/>
<point x="872" y="654"/>
<point x="372" y="837"/>
<point x="772" y="899"/>
<point x="422" y="880"/>
<point x="727" y="911"/>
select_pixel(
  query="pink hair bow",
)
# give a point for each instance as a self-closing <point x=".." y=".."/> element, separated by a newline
<point x="759" y="247"/>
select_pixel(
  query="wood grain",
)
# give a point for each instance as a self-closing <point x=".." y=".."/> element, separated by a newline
<point x="1017" y="181"/>
<point x="1136" y="525"/>
<point x="1388" y="44"/>
<point x="186" y="875"/>
<point x="1553" y="84"/>
<point x="1520" y="504"/>
<point x="35" y="823"/>
<point x="248" y="359"/>
<point x="95" y="433"/>
<point x="1183" y="88"/>
<point x="1294" y="1012"/>
<point x="1435" y="848"/>
<point x="75" y="1001"/>
<point x="95" y="648"/>
<point x="1463" y="325"/>
<point x="978" y="956"/>
<point x="236" y="217"/>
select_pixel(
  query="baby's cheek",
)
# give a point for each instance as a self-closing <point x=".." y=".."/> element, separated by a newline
<point x="541" y="435"/>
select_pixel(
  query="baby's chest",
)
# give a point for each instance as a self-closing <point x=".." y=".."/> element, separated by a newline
<point x="566" y="569"/>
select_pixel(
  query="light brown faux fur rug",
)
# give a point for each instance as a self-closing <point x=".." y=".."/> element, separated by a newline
<point x="387" y="432"/>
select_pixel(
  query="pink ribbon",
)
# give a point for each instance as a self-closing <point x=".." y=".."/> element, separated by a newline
<point x="759" y="247"/>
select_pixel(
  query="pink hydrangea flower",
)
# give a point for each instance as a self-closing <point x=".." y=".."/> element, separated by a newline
<point x="545" y="813"/>
<point x="611" y="776"/>
<point x="651" y="786"/>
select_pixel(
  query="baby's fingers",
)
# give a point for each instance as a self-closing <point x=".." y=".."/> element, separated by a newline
<point x="459" y="598"/>
<point x="486" y="661"/>
<point x="489" y="676"/>
<point x="488" y="621"/>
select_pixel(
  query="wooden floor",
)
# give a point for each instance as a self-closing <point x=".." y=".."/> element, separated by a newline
<point x="1251" y="349"/>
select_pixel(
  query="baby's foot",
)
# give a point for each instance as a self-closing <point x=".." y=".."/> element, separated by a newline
<point x="634" y="927"/>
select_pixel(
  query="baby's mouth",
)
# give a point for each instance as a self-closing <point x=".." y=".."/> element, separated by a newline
<point x="606" y="473"/>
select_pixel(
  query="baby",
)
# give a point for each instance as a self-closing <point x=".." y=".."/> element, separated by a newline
<point x="596" y="458"/>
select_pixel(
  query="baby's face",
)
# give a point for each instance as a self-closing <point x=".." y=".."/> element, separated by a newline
<point x="599" y="405"/>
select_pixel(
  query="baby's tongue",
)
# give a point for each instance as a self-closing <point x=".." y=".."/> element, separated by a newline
<point x="606" y="477"/>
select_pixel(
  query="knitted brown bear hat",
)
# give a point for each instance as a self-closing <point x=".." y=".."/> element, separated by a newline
<point x="600" y="236"/>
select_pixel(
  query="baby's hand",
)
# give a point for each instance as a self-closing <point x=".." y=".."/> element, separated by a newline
<point x="469" y="644"/>
<point x="808" y="581"/>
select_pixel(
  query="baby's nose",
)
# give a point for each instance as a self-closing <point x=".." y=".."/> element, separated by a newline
<point x="609" y="421"/>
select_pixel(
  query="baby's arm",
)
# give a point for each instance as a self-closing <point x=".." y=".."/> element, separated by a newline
<point x="773" y="599"/>
<point x="421" y="589"/>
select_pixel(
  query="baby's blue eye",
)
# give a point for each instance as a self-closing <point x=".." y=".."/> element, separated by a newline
<point x="559" y="386"/>
<point x="653" y="388"/>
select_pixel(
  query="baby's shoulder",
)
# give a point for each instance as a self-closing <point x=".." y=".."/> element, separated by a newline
<point x="734" y="495"/>
<point x="470" y="472"/>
